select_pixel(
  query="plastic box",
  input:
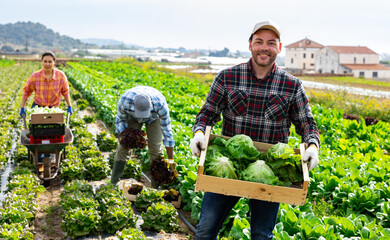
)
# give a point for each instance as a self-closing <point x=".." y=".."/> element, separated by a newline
<point x="47" y="129"/>
<point x="47" y="139"/>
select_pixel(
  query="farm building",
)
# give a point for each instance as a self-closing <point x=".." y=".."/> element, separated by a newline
<point x="357" y="60"/>
<point x="300" y="56"/>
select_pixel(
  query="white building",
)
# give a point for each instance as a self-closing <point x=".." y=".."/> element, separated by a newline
<point x="359" y="61"/>
<point x="300" y="56"/>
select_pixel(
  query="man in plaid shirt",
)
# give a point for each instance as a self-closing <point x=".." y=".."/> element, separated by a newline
<point x="260" y="100"/>
<point x="138" y="106"/>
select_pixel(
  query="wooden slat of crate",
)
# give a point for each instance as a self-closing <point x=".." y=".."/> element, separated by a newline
<point x="292" y="195"/>
<point x="46" y="118"/>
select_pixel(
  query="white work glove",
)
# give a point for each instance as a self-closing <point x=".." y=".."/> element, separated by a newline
<point x="198" y="143"/>
<point x="311" y="157"/>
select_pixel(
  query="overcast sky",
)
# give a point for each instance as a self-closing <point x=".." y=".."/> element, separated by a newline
<point x="209" y="24"/>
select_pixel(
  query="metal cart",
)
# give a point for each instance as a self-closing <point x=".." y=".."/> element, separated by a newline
<point x="48" y="169"/>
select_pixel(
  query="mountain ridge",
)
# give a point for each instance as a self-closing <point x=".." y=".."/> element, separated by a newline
<point x="26" y="36"/>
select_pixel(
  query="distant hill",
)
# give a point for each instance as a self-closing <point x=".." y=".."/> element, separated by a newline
<point x="37" y="36"/>
<point x="101" y="41"/>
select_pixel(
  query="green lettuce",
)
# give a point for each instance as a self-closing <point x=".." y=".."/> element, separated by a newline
<point x="285" y="163"/>
<point x="241" y="147"/>
<point x="259" y="171"/>
<point x="218" y="165"/>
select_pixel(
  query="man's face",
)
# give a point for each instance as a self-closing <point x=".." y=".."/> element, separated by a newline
<point x="265" y="47"/>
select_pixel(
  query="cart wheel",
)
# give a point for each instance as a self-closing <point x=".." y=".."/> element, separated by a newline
<point x="46" y="167"/>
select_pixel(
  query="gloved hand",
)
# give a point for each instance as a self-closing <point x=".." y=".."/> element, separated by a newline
<point x="70" y="111"/>
<point x="311" y="157"/>
<point x="198" y="143"/>
<point x="22" y="112"/>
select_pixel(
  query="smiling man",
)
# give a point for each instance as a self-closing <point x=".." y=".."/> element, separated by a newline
<point x="262" y="101"/>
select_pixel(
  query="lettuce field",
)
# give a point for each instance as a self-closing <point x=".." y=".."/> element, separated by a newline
<point x="349" y="192"/>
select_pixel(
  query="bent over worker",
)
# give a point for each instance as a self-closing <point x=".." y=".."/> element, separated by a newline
<point x="138" y="106"/>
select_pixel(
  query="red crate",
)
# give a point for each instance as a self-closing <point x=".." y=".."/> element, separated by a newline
<point x="47" y="139"/>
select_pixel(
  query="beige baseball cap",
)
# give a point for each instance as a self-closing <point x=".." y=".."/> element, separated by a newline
<point x="267" y="24"/>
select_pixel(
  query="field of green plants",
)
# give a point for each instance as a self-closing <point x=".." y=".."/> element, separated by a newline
<point x="349" y="192"/>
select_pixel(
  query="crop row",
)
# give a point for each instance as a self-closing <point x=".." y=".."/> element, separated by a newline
<point x="19" y="204"/>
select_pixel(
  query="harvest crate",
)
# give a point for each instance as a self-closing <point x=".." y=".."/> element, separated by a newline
<point x="46" y="139"/>
<point x="47" y="129"/>
<point x="295" y="195"/>
<point x="47" y="118"/>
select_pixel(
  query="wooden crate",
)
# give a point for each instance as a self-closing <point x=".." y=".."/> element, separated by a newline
<point x="295" y="195"/>
<point x="46" y="118"/>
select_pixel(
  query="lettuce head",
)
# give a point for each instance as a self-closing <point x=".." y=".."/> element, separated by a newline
<point x="260" y="172"/>
<point x="285" y="163"/>
<point x="241" y="147"/>
<point x="218" y="165"/>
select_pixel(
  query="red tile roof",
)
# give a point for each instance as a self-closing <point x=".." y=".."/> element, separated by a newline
<point x="366" y="66"/>
<point x="305" y="43"/>
<point x="352" y="50"/>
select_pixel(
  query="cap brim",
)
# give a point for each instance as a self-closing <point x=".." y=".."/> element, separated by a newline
<point x="142" y="114"/>
<point x="268" y="27"/>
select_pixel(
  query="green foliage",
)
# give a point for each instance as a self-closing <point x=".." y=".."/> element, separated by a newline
<point x="218" y="165"/>
<point x="147" y="197"/>
<point x="88" y="119"/>
<point x="106" y="142"/>
<point x="80" y="222"/>
<point x="115" y="210"/>
<point x="95" y="168"/>
<point x="130" y="234"/>
<point x="260" y="172"/>
<point x="160" y="216"/>
<point x="82" y="104"/>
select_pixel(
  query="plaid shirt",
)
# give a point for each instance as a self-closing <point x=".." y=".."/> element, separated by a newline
<point x="159" y="110"/>
<point x="260" y="108"/>
<point x="47" y="92"/>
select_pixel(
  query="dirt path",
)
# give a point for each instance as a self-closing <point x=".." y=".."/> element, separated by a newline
<point x="47" y="222"/>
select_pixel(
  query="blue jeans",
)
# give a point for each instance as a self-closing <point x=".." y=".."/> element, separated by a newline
<point x="216" y="207"/>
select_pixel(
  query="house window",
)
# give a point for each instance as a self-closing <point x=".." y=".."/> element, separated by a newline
<point x="292" y="60"/>
<point x="304" y="55"/>
<point x="374" y="74"/>
<point x="354" y="60"/>
<point x="364" y="60"/>
<point x="312" y="55"/>
<point x="361" y="74"/>
<point x="332" y="72"/>
<point x="304" y="65"/>
<point x="345" y="72"/>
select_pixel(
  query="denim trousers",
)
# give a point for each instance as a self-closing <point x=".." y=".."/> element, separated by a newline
<point x="216" y="207"/>
<point x="154" y="135"/>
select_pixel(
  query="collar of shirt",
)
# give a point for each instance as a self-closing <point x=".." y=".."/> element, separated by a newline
<point x="269" y="75"/>
<point x="53" y="77"/>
